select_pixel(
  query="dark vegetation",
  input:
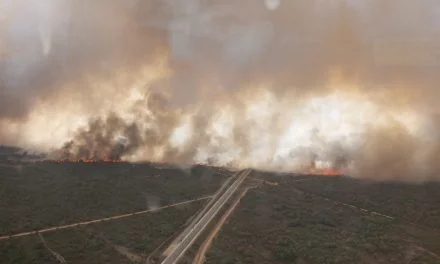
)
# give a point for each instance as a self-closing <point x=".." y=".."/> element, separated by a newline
<point x="120" y="241"/>
<point x="28" y="250"/>
<point x="46" y="194"/>
<point x="418" y="203"/>
<point x="35" y="195"/>
<point x="283" y="224"/>
<point x="305" y="219"/>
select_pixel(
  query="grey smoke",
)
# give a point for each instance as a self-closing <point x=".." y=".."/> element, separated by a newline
<point x="55" y="48"/>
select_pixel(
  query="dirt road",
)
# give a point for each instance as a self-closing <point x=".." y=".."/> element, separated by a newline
<point x="55" y="228"/>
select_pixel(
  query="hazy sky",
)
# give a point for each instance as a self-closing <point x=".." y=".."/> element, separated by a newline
<point x="121" y="77"/>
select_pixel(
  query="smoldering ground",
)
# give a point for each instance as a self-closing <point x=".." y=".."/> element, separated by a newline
<point x="348" y="83"/>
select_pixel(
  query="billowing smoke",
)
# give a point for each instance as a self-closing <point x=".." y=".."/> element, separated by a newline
<point x="280" y="85"/>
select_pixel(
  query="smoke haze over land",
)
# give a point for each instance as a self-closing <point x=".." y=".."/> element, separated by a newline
<point x="346" y="84"/>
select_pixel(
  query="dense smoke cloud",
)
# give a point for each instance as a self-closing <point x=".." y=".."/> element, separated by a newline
<point x="348" y="84"/>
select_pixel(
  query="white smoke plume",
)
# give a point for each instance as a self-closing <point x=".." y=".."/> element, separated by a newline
<point x="278" y="85"/>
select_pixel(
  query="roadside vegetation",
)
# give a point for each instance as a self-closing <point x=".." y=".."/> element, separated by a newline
<point x="47" y="194"/>
<point x="284" y="224"/>
<point x="39" y="195"/>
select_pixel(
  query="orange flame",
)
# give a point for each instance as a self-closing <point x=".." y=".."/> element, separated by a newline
<point x="326" y="172"/>
<point x="87" y="161"/>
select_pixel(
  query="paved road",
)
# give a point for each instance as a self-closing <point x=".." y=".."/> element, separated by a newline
<point x="197" y="218"/>
<point x="200" y="256"/>
<point x="200" y="223"/>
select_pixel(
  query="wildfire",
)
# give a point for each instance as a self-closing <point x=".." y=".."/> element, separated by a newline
<point x="323" y="170"/>
<point x="262" y="132"/>
<point x="87" y="161"/>
<point x="326" y="172"/>
<point x="258" y="129"/>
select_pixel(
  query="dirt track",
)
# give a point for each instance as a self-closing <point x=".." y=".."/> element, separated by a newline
<point x="55" y="228"/>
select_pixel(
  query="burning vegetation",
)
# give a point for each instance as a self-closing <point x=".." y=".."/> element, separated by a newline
<point x="86" y="161"/>
<point x="227" y="83"/>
